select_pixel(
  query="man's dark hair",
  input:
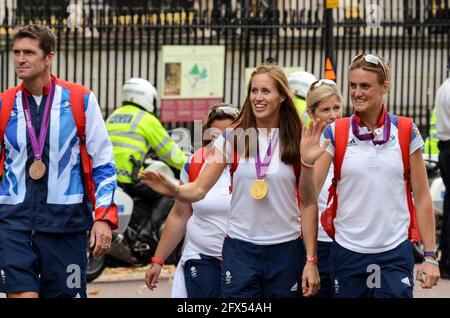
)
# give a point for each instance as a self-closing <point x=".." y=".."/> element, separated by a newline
<point x="42" y="33"/>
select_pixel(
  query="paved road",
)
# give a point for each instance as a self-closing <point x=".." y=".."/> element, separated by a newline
<point x="129" y="283"/>
<point x="134" y="287"/>
<point x="137" y="289"/>
<point x="129" y="289"/>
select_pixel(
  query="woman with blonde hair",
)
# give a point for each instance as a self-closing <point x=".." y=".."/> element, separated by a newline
<point x="263" y="252"/>
<point x="324" y="104"/>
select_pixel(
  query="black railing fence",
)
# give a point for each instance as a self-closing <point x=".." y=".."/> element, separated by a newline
<point x="102" y="43"/>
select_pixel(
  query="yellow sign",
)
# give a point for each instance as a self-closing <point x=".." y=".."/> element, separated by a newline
<point x="192" y="71"/>
<point x="331" y="4"/>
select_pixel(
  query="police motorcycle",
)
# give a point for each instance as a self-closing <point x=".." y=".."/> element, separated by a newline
<point x="139" y="229"/>
<point x="437" y="191"/>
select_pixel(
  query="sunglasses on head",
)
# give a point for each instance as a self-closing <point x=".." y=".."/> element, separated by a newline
<point x="372" y="59"/>
<point x="226" y="108"/>
<point x="321" y="82"/>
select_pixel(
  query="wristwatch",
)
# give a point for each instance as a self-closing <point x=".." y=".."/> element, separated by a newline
<point x="433" y="254"/>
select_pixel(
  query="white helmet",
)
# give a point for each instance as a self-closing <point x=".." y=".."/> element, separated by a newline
<point x="141" y="92"/>
<point x="299" y="82"/>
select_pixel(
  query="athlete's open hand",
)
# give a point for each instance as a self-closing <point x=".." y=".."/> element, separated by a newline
<point x="310" y="145"/>
<point x="159" y="182"/>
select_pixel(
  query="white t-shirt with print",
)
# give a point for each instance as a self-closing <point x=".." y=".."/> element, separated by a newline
<point x="272" y="220"/>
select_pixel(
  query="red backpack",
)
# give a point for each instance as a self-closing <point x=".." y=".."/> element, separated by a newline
<point x="77" y="93"/>
<point x="8" y="98"/>
<point x="342" y="127"/>
<point x="196" y="164"/>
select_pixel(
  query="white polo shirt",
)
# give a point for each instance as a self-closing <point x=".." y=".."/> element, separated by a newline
<point x="442" y="103"/>
<point x="272" y="220"/>
<point x="372" y="215"/>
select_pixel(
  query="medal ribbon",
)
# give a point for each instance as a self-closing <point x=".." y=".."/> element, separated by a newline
<point x="261" y="168"/>
<point x="38" y="145"/>
<point x="371" y="136"/>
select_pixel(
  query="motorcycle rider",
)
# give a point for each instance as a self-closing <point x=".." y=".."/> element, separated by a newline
<point x="430" y="148"/>
<point x="299" y="84"/>
<point x="135" y="130"/>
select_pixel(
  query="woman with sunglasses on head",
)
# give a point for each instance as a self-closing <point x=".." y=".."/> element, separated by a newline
<point x="373" y="216"/>
<point x="324" y="104"/>
<point x="203" y="222"/>
<point x="263" y="252"/>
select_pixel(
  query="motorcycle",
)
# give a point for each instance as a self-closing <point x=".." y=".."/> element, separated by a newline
<point x="437" y="191"/>
<point x="139" y="229"/>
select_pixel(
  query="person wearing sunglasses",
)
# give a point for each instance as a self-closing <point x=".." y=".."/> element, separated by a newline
<point x="371" y="255"/>
<point x="324" y="104"/>
<point x="264" y="250"/>
<point x="198" y="272"/>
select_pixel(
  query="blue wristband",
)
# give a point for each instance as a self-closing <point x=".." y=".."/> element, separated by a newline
<point x="429" y="254"/>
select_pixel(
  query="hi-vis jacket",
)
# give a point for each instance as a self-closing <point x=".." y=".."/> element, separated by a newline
<point x="430" y="147"/>
<point x="133" y="132"/>
<point x="57" y="202"/>
<point x="300" y="105"/>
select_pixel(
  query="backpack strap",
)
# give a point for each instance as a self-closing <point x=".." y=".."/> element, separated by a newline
<point x="233" y="168"/>
<point x="405" y="126"/>
<point x="341" y="133"/>
<point x="77" y="93"/>
<point x="297" y="169"/>
<point x="404" y="139"/>
<point x="197" y="161"/>
<point x="8" y="98"/>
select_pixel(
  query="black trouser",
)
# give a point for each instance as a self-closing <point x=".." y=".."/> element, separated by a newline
<point x="444" y="167"/>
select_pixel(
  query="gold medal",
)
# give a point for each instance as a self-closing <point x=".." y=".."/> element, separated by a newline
<point x="259" y="189"/>
<point x="37" y="170"/>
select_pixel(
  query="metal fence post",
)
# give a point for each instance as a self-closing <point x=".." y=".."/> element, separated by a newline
<point x="329" y="40"/>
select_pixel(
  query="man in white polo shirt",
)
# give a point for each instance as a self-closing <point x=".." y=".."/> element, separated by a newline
<point x="442" y="102"/>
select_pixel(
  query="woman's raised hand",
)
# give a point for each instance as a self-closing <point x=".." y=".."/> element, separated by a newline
<point x="159" y="182"/>
<point x="310" y="148"/>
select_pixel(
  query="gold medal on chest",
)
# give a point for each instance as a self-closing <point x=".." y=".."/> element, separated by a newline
<point x="259" y="189"/>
